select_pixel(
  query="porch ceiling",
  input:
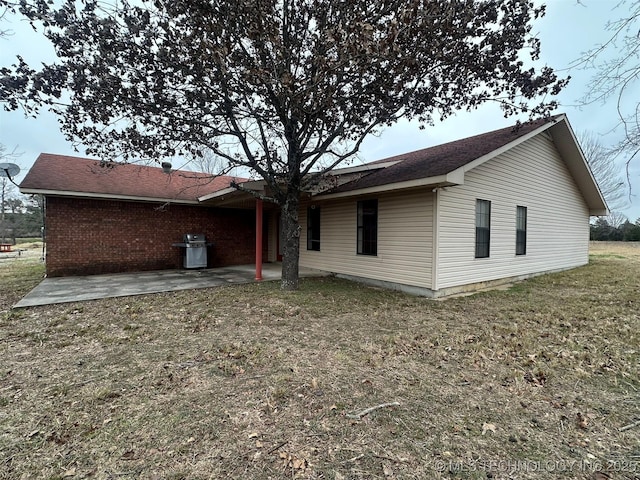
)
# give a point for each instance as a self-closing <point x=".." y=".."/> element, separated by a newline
<point x="232" y="198"/>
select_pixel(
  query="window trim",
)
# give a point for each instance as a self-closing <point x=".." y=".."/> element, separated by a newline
<point x="367" y="231"/>
<point x="313" y="228"/>
<point x="521" y="233"/>
<point x="483" y="234"/>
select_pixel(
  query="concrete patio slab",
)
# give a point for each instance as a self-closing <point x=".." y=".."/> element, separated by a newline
<point x="93" y="287"/>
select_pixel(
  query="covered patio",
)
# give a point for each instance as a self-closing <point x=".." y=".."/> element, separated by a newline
<point x="267" y="219"/>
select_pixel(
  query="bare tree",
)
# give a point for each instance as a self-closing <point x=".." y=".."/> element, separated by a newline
<point x="208" y="162"/>
<point x="7" y="189"/>
<point x="616" y="67"/>
<point x="608" y="174"/>
<point x="4" y="10"/>
<point x="288" y="89"/>
<point x="616" y="219"/>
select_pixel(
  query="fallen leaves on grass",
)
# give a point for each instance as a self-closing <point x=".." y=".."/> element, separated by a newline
<point x="582" y="421"/>
<point x="294" y="461"/>
<point x="538" y="378"/>
<point x="260" y="393"/>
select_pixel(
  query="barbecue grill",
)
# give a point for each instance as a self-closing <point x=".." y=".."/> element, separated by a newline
<point x="195" y="250"/>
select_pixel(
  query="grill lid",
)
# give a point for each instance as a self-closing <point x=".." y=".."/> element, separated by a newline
<point x="194" y="238"/>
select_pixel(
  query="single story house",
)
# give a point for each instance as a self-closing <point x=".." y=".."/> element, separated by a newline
<point x="495" y="207"/>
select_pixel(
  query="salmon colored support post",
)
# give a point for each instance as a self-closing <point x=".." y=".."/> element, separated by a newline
<point x="258" y="239"/>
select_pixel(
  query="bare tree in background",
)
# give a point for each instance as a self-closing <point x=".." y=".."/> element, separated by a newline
<point x="616" y="66"/>
<point x="608" y="174"/>
<point x="3" y="14"/>
<point x="616" y="219"/>
<point x="7" y="188"/>
<point x="208" y="162"/>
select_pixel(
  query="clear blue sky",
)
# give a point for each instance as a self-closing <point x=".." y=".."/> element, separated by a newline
<point x="569" y="29"/>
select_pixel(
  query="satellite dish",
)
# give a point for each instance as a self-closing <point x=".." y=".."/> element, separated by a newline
<point x="9" y="170"/>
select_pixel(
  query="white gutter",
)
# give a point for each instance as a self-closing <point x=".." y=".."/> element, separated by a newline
<point x="104" y="196"/>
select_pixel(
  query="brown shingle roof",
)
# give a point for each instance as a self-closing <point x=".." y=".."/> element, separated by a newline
<point x="68" y="175"/>
<point x="441" y="159"/>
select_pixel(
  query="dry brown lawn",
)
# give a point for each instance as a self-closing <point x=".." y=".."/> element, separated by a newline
<point x="540" y="381"/>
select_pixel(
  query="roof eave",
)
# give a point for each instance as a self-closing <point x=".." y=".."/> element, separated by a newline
<point x="453" y="178"/>
<point x="253" y="185"/>
<point x="103" y="196"/>
<point x="216" y="194"/>
<point x="599" y="213"/>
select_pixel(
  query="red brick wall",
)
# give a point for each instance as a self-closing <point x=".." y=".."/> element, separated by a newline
<point x="87" y="236"/>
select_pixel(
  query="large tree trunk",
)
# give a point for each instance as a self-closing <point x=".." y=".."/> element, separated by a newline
<point x="291" y="248"/>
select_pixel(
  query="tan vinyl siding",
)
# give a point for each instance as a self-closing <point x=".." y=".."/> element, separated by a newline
<point x="531" y="175"/>
<point x="405" y="242"/>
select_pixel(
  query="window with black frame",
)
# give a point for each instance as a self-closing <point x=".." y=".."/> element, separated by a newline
<point x="313" y="228"/>
<point x="368" y="227"/>
<point x="521" y="230"/>
<point x="483" y="228"/>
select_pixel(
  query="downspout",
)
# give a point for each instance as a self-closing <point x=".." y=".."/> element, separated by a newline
<point x="258" y="239"/>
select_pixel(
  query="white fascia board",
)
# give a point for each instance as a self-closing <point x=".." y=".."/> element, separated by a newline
<point x="485" y="158"/>
<point x="362" y="168"/>
<point x="104" y="196"/>
<point x="453" y="178"/>
<point x="599" y="213"/>
<point x="255" y="185"/>
<point x="456" y="177"/>
<point x="218" y="193"/>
